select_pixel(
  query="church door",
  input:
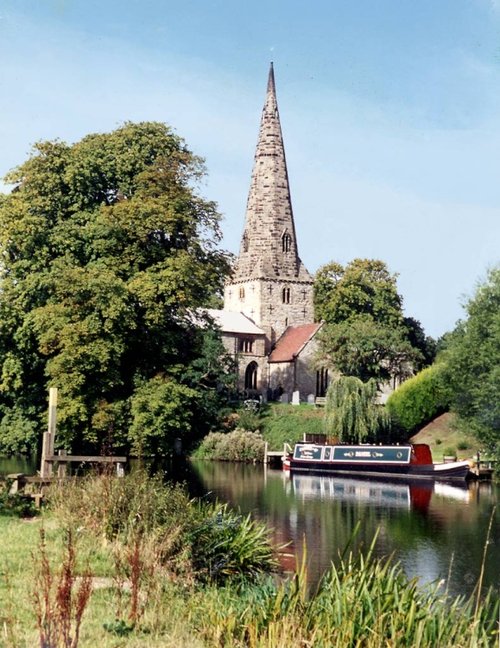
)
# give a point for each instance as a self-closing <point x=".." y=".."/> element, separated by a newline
<point x="251" y="376"/>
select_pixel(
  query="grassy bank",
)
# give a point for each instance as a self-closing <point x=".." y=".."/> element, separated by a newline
<point x="288" y="423"/>
<point x="446" y="439"/>
<point x="166" y="571"/>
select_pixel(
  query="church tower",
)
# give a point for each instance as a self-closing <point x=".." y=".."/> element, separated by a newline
<point x="270" y="284"/>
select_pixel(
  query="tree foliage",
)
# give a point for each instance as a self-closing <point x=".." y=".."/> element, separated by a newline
<point x="472" y="359"/>
<point x="365" y="333"/>
<point x="351" y="413"/>
<point x="106" y="249"/>
<point x="362" y="287"/>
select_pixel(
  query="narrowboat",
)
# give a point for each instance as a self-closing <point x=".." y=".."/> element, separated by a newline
<point x="412" y="461"/>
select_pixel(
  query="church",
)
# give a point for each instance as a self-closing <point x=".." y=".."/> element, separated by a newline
<point x="267" y="322"/>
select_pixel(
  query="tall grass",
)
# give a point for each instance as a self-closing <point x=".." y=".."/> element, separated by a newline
<point x="361" y="602"/>
<point x="195" y="540"/>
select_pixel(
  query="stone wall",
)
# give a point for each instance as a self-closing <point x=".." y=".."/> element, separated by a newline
<point x="299" y="375"/>
<point x="273" y="304"/>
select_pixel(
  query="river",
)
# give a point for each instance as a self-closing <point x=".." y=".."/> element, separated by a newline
<point x="436" y="530"/>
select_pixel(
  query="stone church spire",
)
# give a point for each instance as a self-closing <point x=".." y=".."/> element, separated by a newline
<point x="270" y="284"/>
<point x="269" y="243"/>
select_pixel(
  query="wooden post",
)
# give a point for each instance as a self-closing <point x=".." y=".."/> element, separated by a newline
<point x="61" y="468"/>
<point x="48" y="437"/>
<point x="266" y="447"/>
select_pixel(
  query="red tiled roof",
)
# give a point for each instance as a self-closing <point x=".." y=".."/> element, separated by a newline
<point x="292" y="342"/>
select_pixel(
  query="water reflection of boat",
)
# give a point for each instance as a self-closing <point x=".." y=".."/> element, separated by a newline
<point x="407" y="494"/>
<point x="345" y="489"/>
<point x="452" y="492"/>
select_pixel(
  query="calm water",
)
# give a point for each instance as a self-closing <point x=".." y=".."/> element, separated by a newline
<point x="437" y="531"/>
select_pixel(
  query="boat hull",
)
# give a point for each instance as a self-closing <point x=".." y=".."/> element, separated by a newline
<point x="372" y="461"/>
<point x="454" y="471"/>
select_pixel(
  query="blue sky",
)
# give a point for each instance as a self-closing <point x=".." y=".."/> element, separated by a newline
<point x="390" y="112"/>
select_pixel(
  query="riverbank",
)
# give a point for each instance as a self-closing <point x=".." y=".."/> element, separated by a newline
<point x="280" y="424"/>
<point x="169" y="587"/>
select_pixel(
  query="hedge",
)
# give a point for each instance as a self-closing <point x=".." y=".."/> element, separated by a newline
<point x="419" y="400"/>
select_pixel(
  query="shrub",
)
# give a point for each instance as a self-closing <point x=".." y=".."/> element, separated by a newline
<point x="463" y="445"/>
<point x="249" y="420"/>
<point x="155" y="526"/>
<point x="238" y="445"/>
<point x="418" y="400"/>
<point x="122" y="507"/>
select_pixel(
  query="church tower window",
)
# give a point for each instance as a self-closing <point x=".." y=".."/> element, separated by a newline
<point x="286" y="295"/>
<point x="286" y="242"/>
<point x="245" y="242"/>
<point x="242" y="293"/>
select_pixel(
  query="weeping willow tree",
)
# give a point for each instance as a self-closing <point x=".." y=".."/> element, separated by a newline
<point x="351" y="413"/>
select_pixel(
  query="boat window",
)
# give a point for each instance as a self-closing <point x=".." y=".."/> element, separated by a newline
<point x="328" y="453"/>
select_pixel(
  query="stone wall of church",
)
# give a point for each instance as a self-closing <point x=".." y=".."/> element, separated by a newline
<point x="244" y="344"/>
<point x="247" y="349"/>
<point x="273" y="304"/>
<point x="281" y="379"/>
<point x="306" y="370"/>
<point x="299" y="375"/>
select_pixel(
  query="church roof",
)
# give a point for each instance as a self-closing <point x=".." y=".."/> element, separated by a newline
<point x="234" y="322"/>
<point x="293" y="340"/>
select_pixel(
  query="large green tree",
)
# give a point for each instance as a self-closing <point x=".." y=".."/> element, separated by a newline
<point x="472" y="363"/>
<point x="365" y="333"/>
<point x="106" y="248"/>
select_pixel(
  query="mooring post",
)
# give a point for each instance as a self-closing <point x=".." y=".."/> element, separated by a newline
<point x="48" y="437"/>
<point x="62" y="467"/>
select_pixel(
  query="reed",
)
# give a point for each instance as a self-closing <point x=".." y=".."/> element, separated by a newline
<point x="361" y="602"/>
<point x="59" y="603"/>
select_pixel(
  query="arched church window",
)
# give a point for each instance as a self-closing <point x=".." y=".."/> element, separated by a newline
<point x="245" y="242"/>
<point x="246" y="345"/>
<point x="242" y="293"/>
<point x="321" y="381"/>
<point x="251" y="376"/>
<point x="286" y="295"/>
<point x="286" y="242"/>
